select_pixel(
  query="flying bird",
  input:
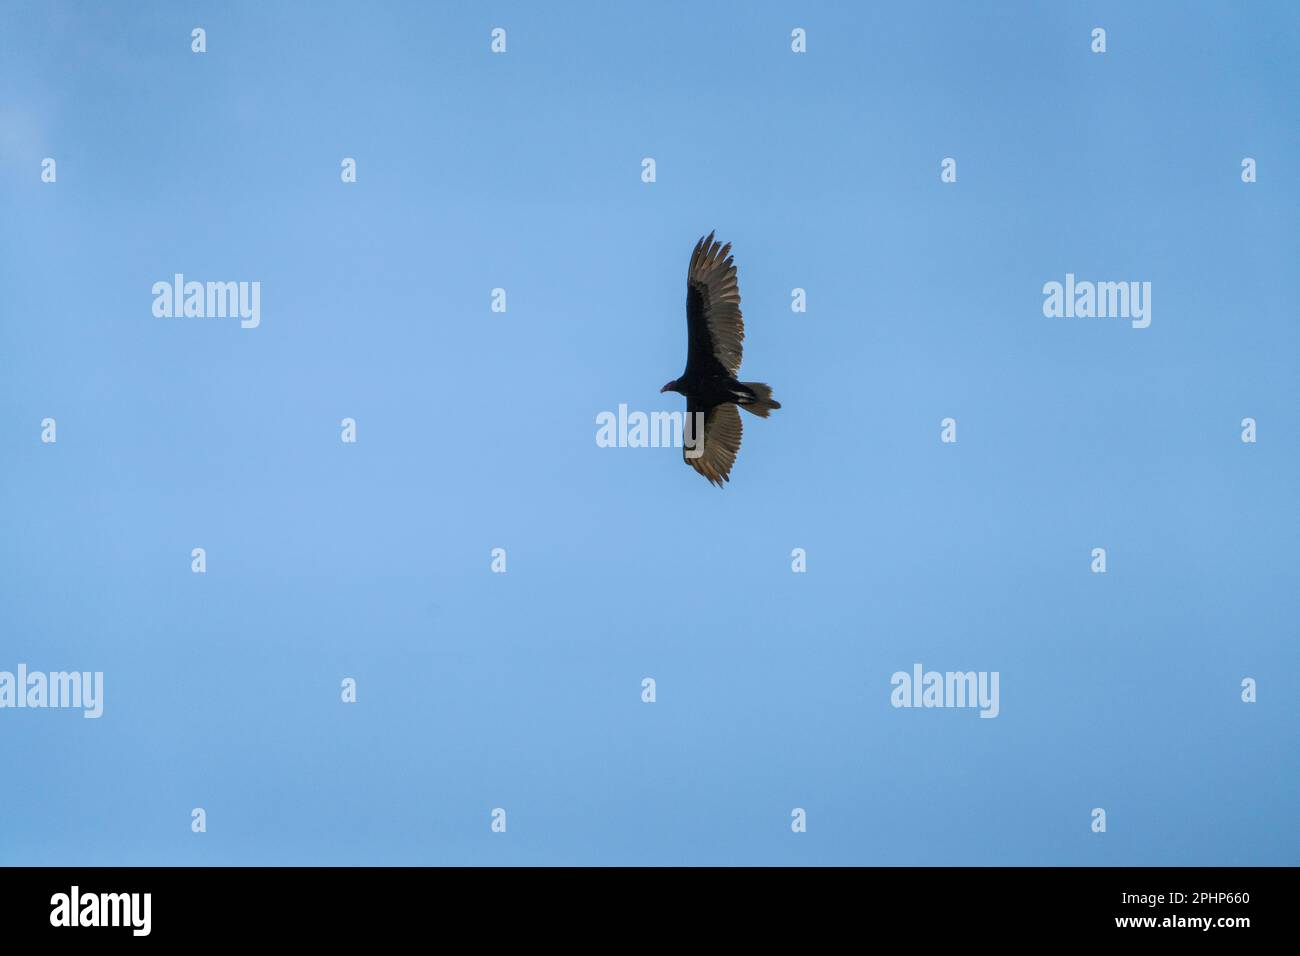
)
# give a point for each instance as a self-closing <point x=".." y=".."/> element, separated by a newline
<point x="715" y="331"/>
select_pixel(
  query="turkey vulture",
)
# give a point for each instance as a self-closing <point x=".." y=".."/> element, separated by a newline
<point x="715" y="332"/>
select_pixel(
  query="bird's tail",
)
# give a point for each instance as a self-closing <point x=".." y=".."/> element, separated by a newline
<point x="762" y="402"/>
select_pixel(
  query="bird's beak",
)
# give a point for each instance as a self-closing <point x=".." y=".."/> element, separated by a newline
<point x="664" y="389"/>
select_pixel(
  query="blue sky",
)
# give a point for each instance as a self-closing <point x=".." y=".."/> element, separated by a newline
<point x="476" y="431"/>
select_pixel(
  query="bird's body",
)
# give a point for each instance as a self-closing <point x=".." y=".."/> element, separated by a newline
<point x="715" y="333"/>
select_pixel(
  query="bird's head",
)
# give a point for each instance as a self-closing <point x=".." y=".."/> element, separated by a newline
<point x="670" y="387"/>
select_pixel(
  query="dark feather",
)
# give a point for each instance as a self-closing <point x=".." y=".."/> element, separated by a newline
<point x="722" y="433"/>
<point x="716" y="327"/>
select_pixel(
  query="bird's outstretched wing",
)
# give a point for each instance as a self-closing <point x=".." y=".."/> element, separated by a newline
<point x="713" y="320"/>
<point x="722" y="431"/>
